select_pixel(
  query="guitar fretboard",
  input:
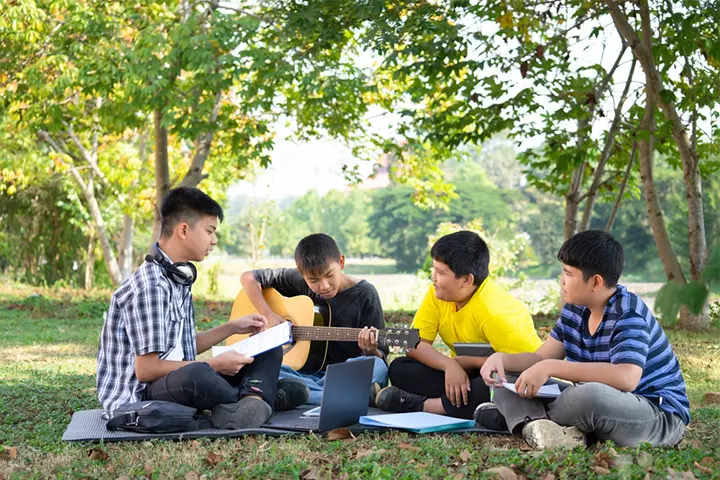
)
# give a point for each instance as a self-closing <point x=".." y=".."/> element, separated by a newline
<point x="337" y="334"/>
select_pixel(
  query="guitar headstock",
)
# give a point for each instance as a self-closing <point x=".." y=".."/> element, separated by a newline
<point x="402" y="338"/>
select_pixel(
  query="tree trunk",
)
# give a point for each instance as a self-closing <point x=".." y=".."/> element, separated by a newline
<point x="125" y="248"/>
<point x="90" y="261"/>
<point x="203" y="142"/>
<point x="696" y="221"/>
<point x="646" y="146"/>
<point x="572" y="197"/>
<point x="108" y="253"/>
<point x="256" y="236"/>
<point x="253" y="245"/>
<point x="195" y="174"/>
<point x="693" y="186"/>
<point x="572" y="204"/>
<point x="642" y="49"/>
<point x="597" y="180"/>
<point x="256" y="239"/>
<point x="162" y="172"/>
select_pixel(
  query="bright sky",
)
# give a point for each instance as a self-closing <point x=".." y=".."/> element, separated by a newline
<point x="299" y="167"/>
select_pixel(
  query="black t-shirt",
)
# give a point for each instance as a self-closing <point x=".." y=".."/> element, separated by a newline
<point x="357" y="307"/>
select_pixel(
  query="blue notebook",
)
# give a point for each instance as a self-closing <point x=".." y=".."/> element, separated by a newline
<point x="418" y="422"/>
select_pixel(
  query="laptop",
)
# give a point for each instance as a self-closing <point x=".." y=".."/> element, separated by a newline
<point x="344" y="401"/>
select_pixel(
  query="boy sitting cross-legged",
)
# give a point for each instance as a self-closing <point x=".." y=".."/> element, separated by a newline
<point x="632" y="390"/>
<point x="462" y="305"/>
<point x="354" y="303"/>
<point x="148" y="346"/>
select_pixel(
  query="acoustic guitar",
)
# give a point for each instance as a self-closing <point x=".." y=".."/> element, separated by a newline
<point x="312" y="329"/>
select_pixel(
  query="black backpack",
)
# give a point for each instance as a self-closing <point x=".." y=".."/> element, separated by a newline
<point x="154" y="417"/>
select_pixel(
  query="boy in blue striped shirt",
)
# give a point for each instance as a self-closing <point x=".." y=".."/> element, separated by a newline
<point x="629" y="388"/>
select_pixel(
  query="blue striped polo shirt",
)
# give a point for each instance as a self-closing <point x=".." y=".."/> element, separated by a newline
<point x="628" y="333"/>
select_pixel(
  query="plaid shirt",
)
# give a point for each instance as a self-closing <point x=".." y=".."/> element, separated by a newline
<point x="144" y="316"/>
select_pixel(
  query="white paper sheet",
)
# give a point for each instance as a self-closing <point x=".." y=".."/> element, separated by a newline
<point x="262" y="342"/>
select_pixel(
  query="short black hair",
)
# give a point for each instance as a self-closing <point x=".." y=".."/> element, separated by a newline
<point x="315" y="252"/>
<point x="465" y="253"/>
<point x="594" y="252"/>
<point x="186" y="204"/>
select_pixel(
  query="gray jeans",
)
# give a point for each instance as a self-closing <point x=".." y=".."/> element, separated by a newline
<point x="602" y="412"/>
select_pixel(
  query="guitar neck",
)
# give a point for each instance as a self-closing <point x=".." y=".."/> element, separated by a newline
<point x="336" y="334"/>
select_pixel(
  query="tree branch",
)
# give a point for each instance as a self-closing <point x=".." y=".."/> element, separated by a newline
<point x="605" y="155"/>
<point x="694" y="114"/>
<point x="623" y="185"/>
<point x="605" y="82"/>
<point x="45" y="136"/>
<point x="90" y="159"/>
<point x="94" y="208"/>
<point x="38" y="54"/>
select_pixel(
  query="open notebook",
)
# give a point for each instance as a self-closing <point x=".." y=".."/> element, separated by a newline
<point x="262" y="342"/>
<point x="418" y="422"/>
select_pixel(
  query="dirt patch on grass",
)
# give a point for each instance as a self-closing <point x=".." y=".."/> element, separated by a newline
<point x="46" y="353"/>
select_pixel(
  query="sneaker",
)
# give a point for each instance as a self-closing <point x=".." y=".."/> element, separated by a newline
<point x="542" y="434"/>
<point x="290" y="394"/>
<point x="248" y="412"/>
<point x="392" y="399"/>
<point x="488" y="416"/>
<point x="374" y="390"/>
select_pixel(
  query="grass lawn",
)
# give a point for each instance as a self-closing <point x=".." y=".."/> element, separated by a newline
<point x="47" y="371"/>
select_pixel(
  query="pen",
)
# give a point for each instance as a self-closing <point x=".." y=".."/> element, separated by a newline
<point x="492" y="387"/>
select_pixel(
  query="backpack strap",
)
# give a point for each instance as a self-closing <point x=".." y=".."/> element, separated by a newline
<point x="129" y="418"/>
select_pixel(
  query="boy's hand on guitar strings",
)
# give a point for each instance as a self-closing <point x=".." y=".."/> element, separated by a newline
<point x="251" y="324"/>
<point x="367" y="341"/>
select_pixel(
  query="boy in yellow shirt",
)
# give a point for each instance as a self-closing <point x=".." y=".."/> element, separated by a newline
<point x="463" y="306"/>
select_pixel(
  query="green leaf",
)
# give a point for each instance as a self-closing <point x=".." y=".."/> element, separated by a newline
<point x="694" y="295"/>
<point x="667" y="96"/>
<point x="643" y="134"/>
<point x="668" y="300"/>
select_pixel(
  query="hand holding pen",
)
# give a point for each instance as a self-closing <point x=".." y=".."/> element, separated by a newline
<point x="493" y="370"/>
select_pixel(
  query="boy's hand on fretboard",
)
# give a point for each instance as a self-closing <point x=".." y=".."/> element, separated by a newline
<point x="367" y="341"/>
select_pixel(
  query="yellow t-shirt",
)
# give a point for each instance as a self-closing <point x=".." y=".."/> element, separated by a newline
<point x="491" y="316"/>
